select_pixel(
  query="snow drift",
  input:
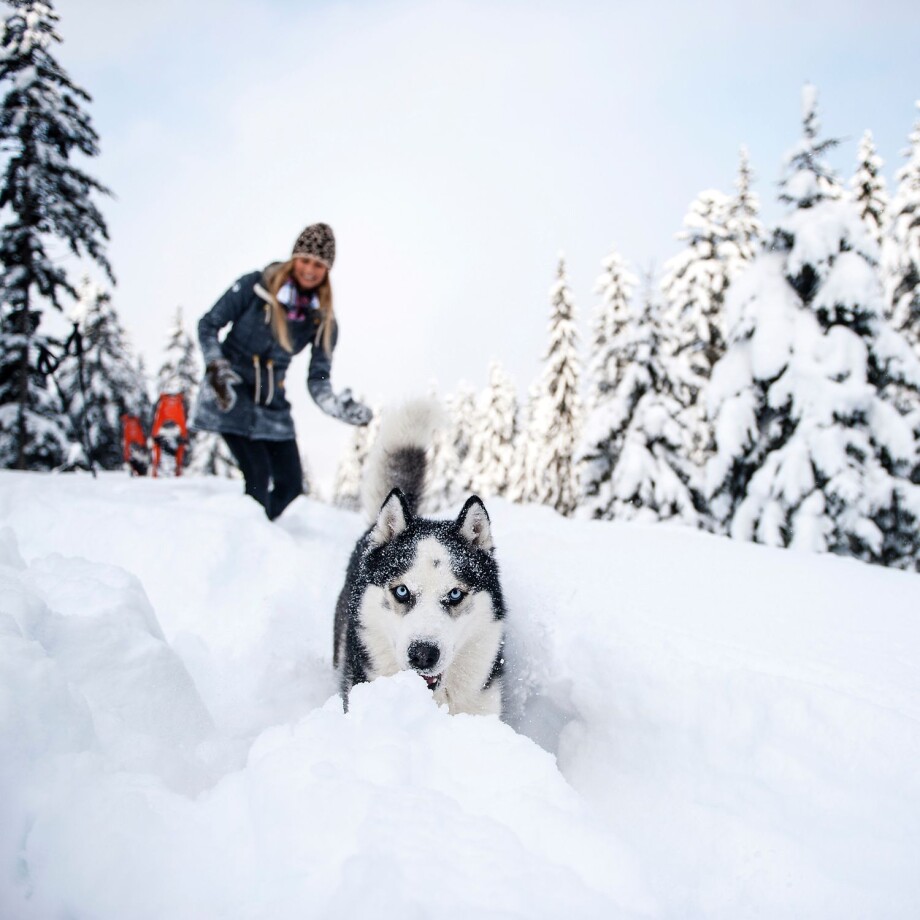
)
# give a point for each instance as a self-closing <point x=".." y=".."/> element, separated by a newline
<point x="696" y="728"/>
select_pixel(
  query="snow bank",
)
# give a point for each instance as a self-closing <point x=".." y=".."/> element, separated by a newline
<point x="393" y="810"/>
<point x="735" y="728"/>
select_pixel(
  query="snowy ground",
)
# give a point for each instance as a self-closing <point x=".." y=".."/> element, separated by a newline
<point x="699" y="728"/>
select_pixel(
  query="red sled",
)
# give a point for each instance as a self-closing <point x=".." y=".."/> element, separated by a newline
<point x="169" y="432"/>
<point x="134" y="445"/>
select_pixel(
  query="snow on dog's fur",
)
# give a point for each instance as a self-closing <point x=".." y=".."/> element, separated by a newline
<point x="420" y="594"/>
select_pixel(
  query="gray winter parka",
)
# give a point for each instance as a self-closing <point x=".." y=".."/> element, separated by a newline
<point x="261" y="411"/>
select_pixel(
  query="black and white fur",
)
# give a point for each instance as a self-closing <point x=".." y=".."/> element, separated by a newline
<point x="420" y="594"/>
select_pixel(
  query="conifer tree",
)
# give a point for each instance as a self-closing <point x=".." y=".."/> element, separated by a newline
<point x="744" y="226"/>
<point x="463" y="426"/>
<point x="634" y="458"/>
<point x="809" y="180"/>
<point x="347" y="484"/>
<point x="180" y="371"/>
<point x="45" y="197"/>
<point x="606" y="363"/>
<point x="492" y="450"/>
<point x="694" y="286"/>
<point x="902" y="245"/>
<point x="441" y="491"/>
<point x="811" y="452"/>
<point x="558" y="411"/>
<point x="346" y="489"/>
<point x="145" y="409"/>
<point x="868" y="188"/>
<point x="110" y="385"/>
<point x="522" y="485"/>
<point x="450" y="470"/>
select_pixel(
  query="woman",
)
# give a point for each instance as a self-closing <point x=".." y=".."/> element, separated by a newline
<point x="275" y="314"/>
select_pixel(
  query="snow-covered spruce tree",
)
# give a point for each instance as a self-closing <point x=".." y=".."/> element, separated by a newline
<point x="810" y="452"/>
<point x="608" y="361"/>
<point x="744" y="226"/>
<point x="449" y="479"/>
<point x="110" y="381"/>
<point x="145" y="410"/>
<point x="901" y="247"/>
<point x="723" y="234"/>
<point x="635" y="443"/>
<point x="43" y="196"/>
<point x="694" y="286"/>
<point x="558" y="411"/>
<point x="522" y="485"/>
<point x="867" y="187"/>
<point x="346" y="488"/>
<point x="463" y="422"/>
<point x="492" y="451"/>
<point x="181" y="373"/>
<point x="347" y="484"/>
<point x="809" y="180"/>
<point x="446" y="471"/>
<point x="616" y="285"/>
<point x="181" y="370"/>
<point x="441" y="490"/>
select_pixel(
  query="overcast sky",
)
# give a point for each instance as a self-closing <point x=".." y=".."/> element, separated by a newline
<point x="455" y="147"/>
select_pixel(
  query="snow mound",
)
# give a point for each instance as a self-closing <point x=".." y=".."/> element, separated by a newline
<point x="695" y="727"/>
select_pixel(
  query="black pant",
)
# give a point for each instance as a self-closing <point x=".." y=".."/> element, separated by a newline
<point x="272" y="471"/>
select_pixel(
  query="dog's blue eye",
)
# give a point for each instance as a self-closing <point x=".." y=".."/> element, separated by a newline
<point x="401" y="593"/>
<point x="455" y="596"/>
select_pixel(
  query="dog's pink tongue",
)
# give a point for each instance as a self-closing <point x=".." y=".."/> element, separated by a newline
<point x="431" y="681"/>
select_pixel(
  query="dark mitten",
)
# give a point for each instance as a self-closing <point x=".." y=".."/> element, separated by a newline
<point x="221" y="377"/>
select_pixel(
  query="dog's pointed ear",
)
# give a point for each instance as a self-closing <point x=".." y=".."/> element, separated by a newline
<point x="392" y="520"/>
<point x="474" y="525"/>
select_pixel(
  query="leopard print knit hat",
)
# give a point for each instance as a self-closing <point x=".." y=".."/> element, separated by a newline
<point x="318" y="242"/>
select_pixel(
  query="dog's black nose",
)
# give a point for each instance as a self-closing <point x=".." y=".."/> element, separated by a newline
<point x="423" y="656"/>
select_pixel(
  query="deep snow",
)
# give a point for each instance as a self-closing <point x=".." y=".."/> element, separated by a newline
<point x="735" y="728"/>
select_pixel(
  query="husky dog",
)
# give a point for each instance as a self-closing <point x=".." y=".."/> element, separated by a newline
<point x="420" y="594"/>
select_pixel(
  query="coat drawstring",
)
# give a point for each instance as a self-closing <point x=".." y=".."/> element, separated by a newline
<point x="270" y="366"/>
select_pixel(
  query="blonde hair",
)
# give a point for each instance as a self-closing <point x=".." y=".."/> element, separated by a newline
<point x="276" y="281"/>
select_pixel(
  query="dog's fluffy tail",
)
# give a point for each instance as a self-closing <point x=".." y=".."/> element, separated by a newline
<point x="399" y="457"/>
